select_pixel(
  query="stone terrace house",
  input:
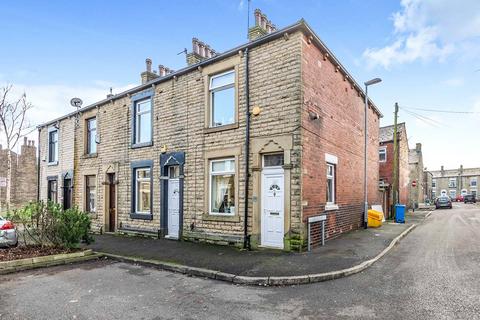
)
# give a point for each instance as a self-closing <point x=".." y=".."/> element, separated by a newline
<point x="216" y="153"/>
<point x="386" y="156"/>
<point x="24" y="173"/>
<point x="453" y="182"/>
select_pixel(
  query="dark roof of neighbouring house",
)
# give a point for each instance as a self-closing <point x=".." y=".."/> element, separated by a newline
<point x="386" y="133"/>
<point x="300" y="25"/>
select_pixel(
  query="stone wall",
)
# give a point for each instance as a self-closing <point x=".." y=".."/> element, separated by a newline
<point x="24" y="176"/>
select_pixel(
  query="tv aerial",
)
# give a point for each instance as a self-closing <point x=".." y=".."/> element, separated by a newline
<point x="76" y="103"/>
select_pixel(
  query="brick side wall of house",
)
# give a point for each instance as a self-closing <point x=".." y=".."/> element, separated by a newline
<point x="339" y="131"/>
<point x="386" y="168"/>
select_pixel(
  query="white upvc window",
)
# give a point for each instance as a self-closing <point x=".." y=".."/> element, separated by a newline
<point x="142" y="190"/>
<point x="53" y="146"/>
<point x="91" y="126"/>
<point x="382" y="154"/>
<point x="473" y="182"/>
<point x="452" y="182"/>
<point x="222" y="187"/>
<point x="222" y="99"/>
<point x="143" y="121"/>
<point x="434" y="183"/>
<point x="330" y="183"/>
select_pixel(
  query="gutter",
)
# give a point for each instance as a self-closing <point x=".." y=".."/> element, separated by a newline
<point x="300" y="25"/>
<point x="246" y="236"/>
<point x="38" y="167"/>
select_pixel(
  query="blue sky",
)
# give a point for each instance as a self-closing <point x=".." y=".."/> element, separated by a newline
<point x="426" y="52"/>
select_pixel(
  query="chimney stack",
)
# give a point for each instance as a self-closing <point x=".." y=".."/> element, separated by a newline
<point x="200" y="51"/>
<point x="262" y="26"/>
<point x="418" y="147"/>
<point x="148" y="75"/>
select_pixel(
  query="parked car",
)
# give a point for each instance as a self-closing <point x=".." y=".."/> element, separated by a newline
<point x="8" y="233"/>
<point x="459" y="198"/>
<point x="469" y="198"/>
<point x="443" y="202"/>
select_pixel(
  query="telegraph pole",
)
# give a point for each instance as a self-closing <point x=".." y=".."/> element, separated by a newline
<point x="395" y="160"/>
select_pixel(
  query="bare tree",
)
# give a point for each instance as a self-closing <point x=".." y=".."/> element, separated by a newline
<point x="13" y="126"/>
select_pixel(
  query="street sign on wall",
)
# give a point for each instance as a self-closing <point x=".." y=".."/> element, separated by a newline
<point x="3" y="182"/>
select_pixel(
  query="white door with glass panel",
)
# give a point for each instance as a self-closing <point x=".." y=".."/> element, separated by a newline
<point x="173" y="202"/>
<point x="273" y="201"/>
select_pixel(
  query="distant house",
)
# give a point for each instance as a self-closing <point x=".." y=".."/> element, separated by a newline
<point x="24" y="175"/>
<point x="453" y="182"/>
<point x="386" y="174"/>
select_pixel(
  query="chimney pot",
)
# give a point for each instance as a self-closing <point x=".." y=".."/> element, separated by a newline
<point x="25" y="141"/>
<point x="148" y="63"/>
<point x="258" y="17"/>
<point x="418" y="147"/>
<point x="161" y="70"/>
<point x="264" y="22"/>
<point x="195" y="47"/>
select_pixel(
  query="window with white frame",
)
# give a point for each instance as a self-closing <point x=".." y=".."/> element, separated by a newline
<point x="382" y="154"/>
<point x="143" y="190"/>
<point x="452" y="182"/>
<point x="52" y="190"/>
<point x="473" y="182"/>
<point x="91" y="126"/>
<point x="222" y="187"/>
<point x="222" y="99"/>
<point x="330" y="183"/>
<point x="53" y="146"/>
<point x="143" y="121"/>
<point x="90" y="193"/>
<point x="434" y="183"/>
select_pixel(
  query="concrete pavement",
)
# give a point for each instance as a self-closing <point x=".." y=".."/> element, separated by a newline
<point x="432" y="274"/>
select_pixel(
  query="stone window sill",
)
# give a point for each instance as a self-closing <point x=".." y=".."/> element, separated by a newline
<point x="90" y="155"/>
<point x="221" y="128"/>
<point x="142" y="145"/>
<point x="55" y="163"/>
<point x="213" y="217"/>
<point x="330" y="207"/>
<point x="141" y="216"/>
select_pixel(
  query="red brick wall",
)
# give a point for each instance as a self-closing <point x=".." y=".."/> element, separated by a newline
<point x="339" y="131"/>
<point x="386" y="168"/>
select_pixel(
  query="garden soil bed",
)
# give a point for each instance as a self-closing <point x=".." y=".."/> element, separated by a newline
<point x="24" y="252"/>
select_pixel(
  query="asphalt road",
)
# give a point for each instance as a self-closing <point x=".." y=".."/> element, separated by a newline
<point x="434" y="273"/>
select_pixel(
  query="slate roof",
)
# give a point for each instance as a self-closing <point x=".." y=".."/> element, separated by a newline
<point x="386" y="133"/>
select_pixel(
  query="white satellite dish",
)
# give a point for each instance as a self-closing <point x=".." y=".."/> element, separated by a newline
<point x="76" y="102"/>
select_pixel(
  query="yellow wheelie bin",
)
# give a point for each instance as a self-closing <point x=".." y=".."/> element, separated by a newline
<point x="374" y="218"/>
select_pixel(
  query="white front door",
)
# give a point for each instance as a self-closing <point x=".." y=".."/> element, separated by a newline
<point x="272" y="207"/>
<point x="173" y="207"/>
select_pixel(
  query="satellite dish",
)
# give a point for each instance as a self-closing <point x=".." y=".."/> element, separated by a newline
<point x="76" y="102"/>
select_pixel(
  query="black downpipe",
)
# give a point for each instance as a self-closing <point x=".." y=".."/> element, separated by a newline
<point x="246" y="236"/>
<point x="38" y="167"/>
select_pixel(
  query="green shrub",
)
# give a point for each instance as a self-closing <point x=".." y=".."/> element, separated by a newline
<point x="48" y="224"/>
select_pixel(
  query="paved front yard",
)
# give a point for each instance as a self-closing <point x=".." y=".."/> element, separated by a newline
<point x="348" y="250"/>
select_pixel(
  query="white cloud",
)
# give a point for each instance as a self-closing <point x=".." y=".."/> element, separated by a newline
<point x="429" y="30"/>
<point x="53" y="101"/>
<point x="454" y="82"/>
<point x="241" y="4"/>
